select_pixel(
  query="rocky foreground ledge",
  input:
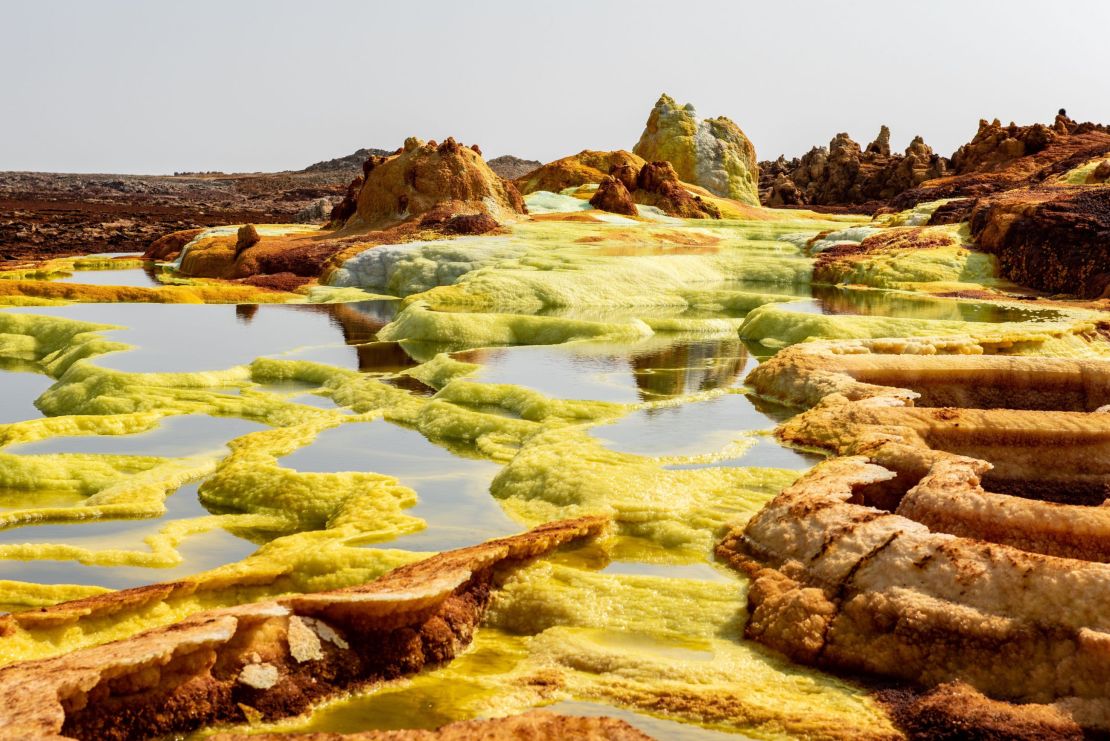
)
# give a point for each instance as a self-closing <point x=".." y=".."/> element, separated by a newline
<point x="958" y="544"/>
<point x="267" y="660"/>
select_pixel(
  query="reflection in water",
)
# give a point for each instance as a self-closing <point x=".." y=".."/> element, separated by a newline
<point x="688" y="367"/>
<point x="841" y="300"/>
<point x="383" y="357"/>
<point x="20" y="389"/>
<point x="176" y="436"/>
<point x="199" y="552"/>
<point x="244" y="313"/>
<point x="628" y="373"/>
<point x="591" y="371"/>
<point x="694" y="428"/>
<point x="196" y="337"/>
<point x="130" y="277"/>
<point x="453" y="492"/>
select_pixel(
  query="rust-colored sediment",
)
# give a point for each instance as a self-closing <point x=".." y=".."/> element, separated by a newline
<point x="268" y="659"/>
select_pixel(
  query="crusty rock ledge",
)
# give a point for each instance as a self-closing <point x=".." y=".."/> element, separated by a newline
<point x="847" y="586"/>
<point x="954" y="545"/>
<point x="269" y="659"/>
<point x="534" y="725"/>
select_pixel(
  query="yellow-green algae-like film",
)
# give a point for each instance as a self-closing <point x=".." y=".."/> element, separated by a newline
<point x="625" y="408"/>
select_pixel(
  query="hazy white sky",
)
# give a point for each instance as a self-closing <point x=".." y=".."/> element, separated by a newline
<point x="238" y="85"/>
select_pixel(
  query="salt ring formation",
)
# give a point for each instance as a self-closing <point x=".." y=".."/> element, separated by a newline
<point x="660" y="443"/>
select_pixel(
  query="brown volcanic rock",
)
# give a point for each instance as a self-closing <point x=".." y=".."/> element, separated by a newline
<point x="585" y="167"/>
<point x="426" y="176"/>
<point x="246" y="238"/>
<point x="844" y="174"/>
<point x="531" y="726"/>
<point x="1052" y="239"/>
<point x="346" y="208"/>
<point x="995" y="146"/>
<point x="627" y="174"/>
<point x="267" y="659"/>
<point x="613" y="196"/>
<point x="831" y="264"/>
<point x="657" y="184"/>
<point x="55" y="214"/>
<point x="447" y="223"/>
<point x="1101" y="173"/>
<point x="992" y="165"/>
<point x="956" y="711"/>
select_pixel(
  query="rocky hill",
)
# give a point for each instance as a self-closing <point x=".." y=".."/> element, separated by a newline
<point x="510" y="167"/>
<point x="352" y="163"/>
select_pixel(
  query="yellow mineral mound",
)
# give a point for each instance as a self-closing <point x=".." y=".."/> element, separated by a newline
<point x="423" y="177"/>
<point x="711" y="152"/>
<point x="587" y="166"/>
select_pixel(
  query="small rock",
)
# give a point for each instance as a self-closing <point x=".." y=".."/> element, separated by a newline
<point x="1101" y="173"/>
<point x="613" y="197"/>
<point x="259" y="676"/>
<point x="247" y="238"/>
<point x="314" y="213"/>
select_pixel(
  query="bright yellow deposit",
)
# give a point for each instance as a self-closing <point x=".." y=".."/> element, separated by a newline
<point x="656" y="642"/>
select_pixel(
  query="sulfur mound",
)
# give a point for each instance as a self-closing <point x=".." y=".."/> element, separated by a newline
<point x="712" y="153"/>
<point x="265" y="660"/>
<point x="426" y="176"/>
<point x="579" y="169"/>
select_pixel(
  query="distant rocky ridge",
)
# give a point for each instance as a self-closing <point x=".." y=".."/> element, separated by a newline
<point x="997" y="158"/>
<point x="510" y="167"/>
<point x="352" y="162"/>
<point x="507" y="166"/>
<point x="844" y="174"/>
<point x="56" y="214"/>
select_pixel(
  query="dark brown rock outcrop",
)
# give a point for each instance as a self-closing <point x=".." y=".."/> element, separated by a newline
<point x="1051" y="239"/>
<point x="1001" y="158"/>
<point x="613" y="196"/>
<point x="845" y="174"/>
<point x="345" y="209"/>
<point x="247" y="237"/>
<point x="657" y="184"/>
<point x="1101" y="173"/>
<point x="510" y="167"/>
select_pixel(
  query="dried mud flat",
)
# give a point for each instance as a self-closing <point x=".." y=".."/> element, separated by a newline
<point x="53" y="215"/>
